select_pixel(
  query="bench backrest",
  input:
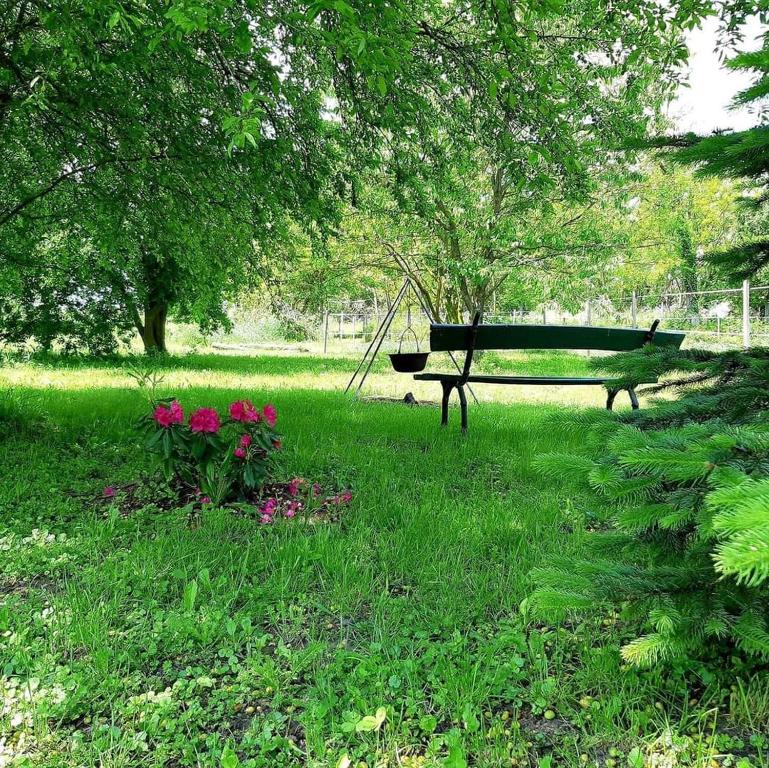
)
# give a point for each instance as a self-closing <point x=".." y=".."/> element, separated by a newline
<point x="450" y="338"/>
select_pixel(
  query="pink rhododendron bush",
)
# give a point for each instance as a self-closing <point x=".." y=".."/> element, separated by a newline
<point x="226" y="458"/>
<point x="218" y="459"/>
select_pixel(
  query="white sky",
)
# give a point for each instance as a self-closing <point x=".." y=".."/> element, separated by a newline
<point x="704" y="105"/>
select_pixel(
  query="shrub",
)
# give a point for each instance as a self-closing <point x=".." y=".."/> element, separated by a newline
<point x="687" y="553"/>
<point x="225" y="459"/>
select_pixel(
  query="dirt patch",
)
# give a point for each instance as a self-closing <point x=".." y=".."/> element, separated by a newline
<point x="23" y="586"/>
<point x="295" y="499"/>
<point x="545" y="731"/>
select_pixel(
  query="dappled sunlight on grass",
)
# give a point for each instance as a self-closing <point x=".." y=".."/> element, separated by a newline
<point x="156" y="636"/>
<point x="276" y="372"/>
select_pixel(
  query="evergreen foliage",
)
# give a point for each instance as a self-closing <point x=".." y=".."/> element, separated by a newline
<point x="687" y="553"/>
<point x="737" y="155"/>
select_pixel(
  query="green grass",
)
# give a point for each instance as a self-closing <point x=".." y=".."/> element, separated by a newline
<point x="149" y="639"/>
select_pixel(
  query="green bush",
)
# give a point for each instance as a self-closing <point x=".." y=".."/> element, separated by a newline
<point x="687" y="553"/>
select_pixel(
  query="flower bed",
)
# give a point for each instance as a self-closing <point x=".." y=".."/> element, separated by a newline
<point x="226" y="458"/>
<point x="208" y="459"/>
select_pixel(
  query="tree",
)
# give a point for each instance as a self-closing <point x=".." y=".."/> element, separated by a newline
<point x="114" y="130"/>
<point x="480" y="186"/>
<point x="742" y="155"/>
<point x="104" y="105"/>
<point x="687" y="555"/>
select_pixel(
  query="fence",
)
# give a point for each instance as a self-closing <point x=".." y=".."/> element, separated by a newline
<point x="361" y="325"/>
<point x="721" y="319"/>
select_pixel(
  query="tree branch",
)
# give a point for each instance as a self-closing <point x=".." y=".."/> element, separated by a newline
<point x="46" y="190"/>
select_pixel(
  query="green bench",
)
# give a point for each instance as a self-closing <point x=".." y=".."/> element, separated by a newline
<point x="469" y="338"/>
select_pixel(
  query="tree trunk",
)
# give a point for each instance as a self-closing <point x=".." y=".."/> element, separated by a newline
<point x="154" y="328"/>
<point x="689" y="277"/>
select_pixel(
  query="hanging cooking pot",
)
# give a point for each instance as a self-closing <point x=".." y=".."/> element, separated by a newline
<point x="409" y="362"/>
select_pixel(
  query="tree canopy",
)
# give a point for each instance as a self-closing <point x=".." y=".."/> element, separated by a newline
<point x="152" y="149"/>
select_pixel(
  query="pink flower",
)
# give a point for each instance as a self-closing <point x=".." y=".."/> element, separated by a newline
<point x="244" y="411"/>
<point x="292" y="508"/>
<point x="108" y="492"/>
<point x="246" y="440"/>
<point x="165" y="417"/>
<point x="270" y="414"/>
<point x="267" y="511"/>
<point x="240" y="453"/>
<point x="316" y="489"/>
<point x="295" y="485"/>
<point x="177" y="414"/>
<point x="269" y="507"/>
<point x="204" y="420"/>
<point x="345" y="497"/>
<point x="205" y="500"/>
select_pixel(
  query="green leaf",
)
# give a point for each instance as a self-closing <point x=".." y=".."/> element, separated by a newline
<point x="371" y="722"/>
<point x="428" y="723"/>
<point x="469" y="718"/>
<point x="456" y="756"/>
<point x="635" y="758"/>
<point x="189" y="595"/>
<point x="229" y="758"/>
<point x="243" y="41"/>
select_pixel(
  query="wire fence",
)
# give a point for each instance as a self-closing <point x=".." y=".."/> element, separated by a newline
<point x="728" y="318"/>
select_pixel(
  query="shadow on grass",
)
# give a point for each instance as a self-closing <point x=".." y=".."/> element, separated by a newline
<point x="531" y="362"/>
<point x="225" y="363"/>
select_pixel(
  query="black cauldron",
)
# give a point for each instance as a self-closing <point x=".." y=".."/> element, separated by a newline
<point x="408" y="362"/>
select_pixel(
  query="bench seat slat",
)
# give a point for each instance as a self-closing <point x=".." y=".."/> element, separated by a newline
<point x="557" y="380"/>
<point x="445" y="338"/>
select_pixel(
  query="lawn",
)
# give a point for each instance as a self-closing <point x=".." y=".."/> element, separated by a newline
<point x="136" y="635"/>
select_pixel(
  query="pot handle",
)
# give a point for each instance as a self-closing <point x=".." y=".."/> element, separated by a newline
<point x="413" y="333"/>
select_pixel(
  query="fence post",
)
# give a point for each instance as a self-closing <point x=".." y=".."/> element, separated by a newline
<point x="634" y="309"/>
<point x="325" y="333"/>
<point x="746" y="314"/>
<point x="341" y="321"/>
<point x="544" y="315"/>
<point x="589" y="313"/>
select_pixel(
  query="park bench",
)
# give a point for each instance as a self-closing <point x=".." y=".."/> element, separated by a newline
<point x="469" y="338"/>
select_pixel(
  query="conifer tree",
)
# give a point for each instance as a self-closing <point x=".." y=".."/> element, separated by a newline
<point x="742" y="155"/>
<point x="687" y="553"/>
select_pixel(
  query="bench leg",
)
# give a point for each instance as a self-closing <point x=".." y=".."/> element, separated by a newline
<point x="633" y="398"/>
<point x="447" y="387"/>
<point x="463" y="407"/>
<point x="610" y="398"/>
